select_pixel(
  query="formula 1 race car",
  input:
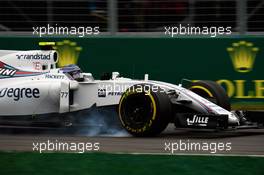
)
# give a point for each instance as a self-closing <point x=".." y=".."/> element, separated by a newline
<point x="32" y="88"/>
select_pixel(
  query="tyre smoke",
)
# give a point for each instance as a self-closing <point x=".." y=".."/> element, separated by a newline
<point x="101" y="122"/>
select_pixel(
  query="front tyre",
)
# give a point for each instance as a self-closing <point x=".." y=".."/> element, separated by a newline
<point x="144" y="110"/>
<point x="212" y="92"/>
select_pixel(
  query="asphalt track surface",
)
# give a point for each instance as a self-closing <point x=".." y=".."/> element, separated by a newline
<point x="243" y="142"/>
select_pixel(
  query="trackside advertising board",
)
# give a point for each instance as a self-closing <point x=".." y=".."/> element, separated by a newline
<point x="235" y="63"/>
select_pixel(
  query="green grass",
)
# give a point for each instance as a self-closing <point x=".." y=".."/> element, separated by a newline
<point x="100" y="163"/>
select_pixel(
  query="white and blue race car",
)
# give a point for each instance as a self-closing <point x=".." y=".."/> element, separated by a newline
<point x="32" y="88"/>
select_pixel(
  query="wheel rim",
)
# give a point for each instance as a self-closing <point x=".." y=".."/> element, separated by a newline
<point x="137" y="110"/>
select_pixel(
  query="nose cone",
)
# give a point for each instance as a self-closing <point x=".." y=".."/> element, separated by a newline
<point x="233" y="120"/>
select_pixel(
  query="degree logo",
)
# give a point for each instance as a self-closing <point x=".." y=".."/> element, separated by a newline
<point x="18" y="93"/>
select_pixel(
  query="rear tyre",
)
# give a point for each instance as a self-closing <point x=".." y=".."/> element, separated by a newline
<point x="212" y="92"/>
<point x="143" y="112"/>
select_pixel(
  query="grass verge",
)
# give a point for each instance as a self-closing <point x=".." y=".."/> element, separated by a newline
<point x="102" y="163"/>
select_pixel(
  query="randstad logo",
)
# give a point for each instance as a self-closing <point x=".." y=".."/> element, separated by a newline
<point x="243" y="56"/>
<point x="69" y="52"/>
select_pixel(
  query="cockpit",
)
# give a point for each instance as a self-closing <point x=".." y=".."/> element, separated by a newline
<point x="73" y="72"/>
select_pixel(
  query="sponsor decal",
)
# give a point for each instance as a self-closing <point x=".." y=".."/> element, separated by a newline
<point x="51" y="76"/>
<point x="115" y="93"/>
<point x="198" y="121"/>
<point x="19" y="93"/>
<point x="243" y="89"/>
<point x="101" y="92"/>
<point x="7" y="71"/>
<point x="243" y="55"/>
<point x="33" y="56"/>
<point x="37" y="65"/>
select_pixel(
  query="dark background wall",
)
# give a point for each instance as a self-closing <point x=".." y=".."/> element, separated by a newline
<point x="165" y="59"/>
